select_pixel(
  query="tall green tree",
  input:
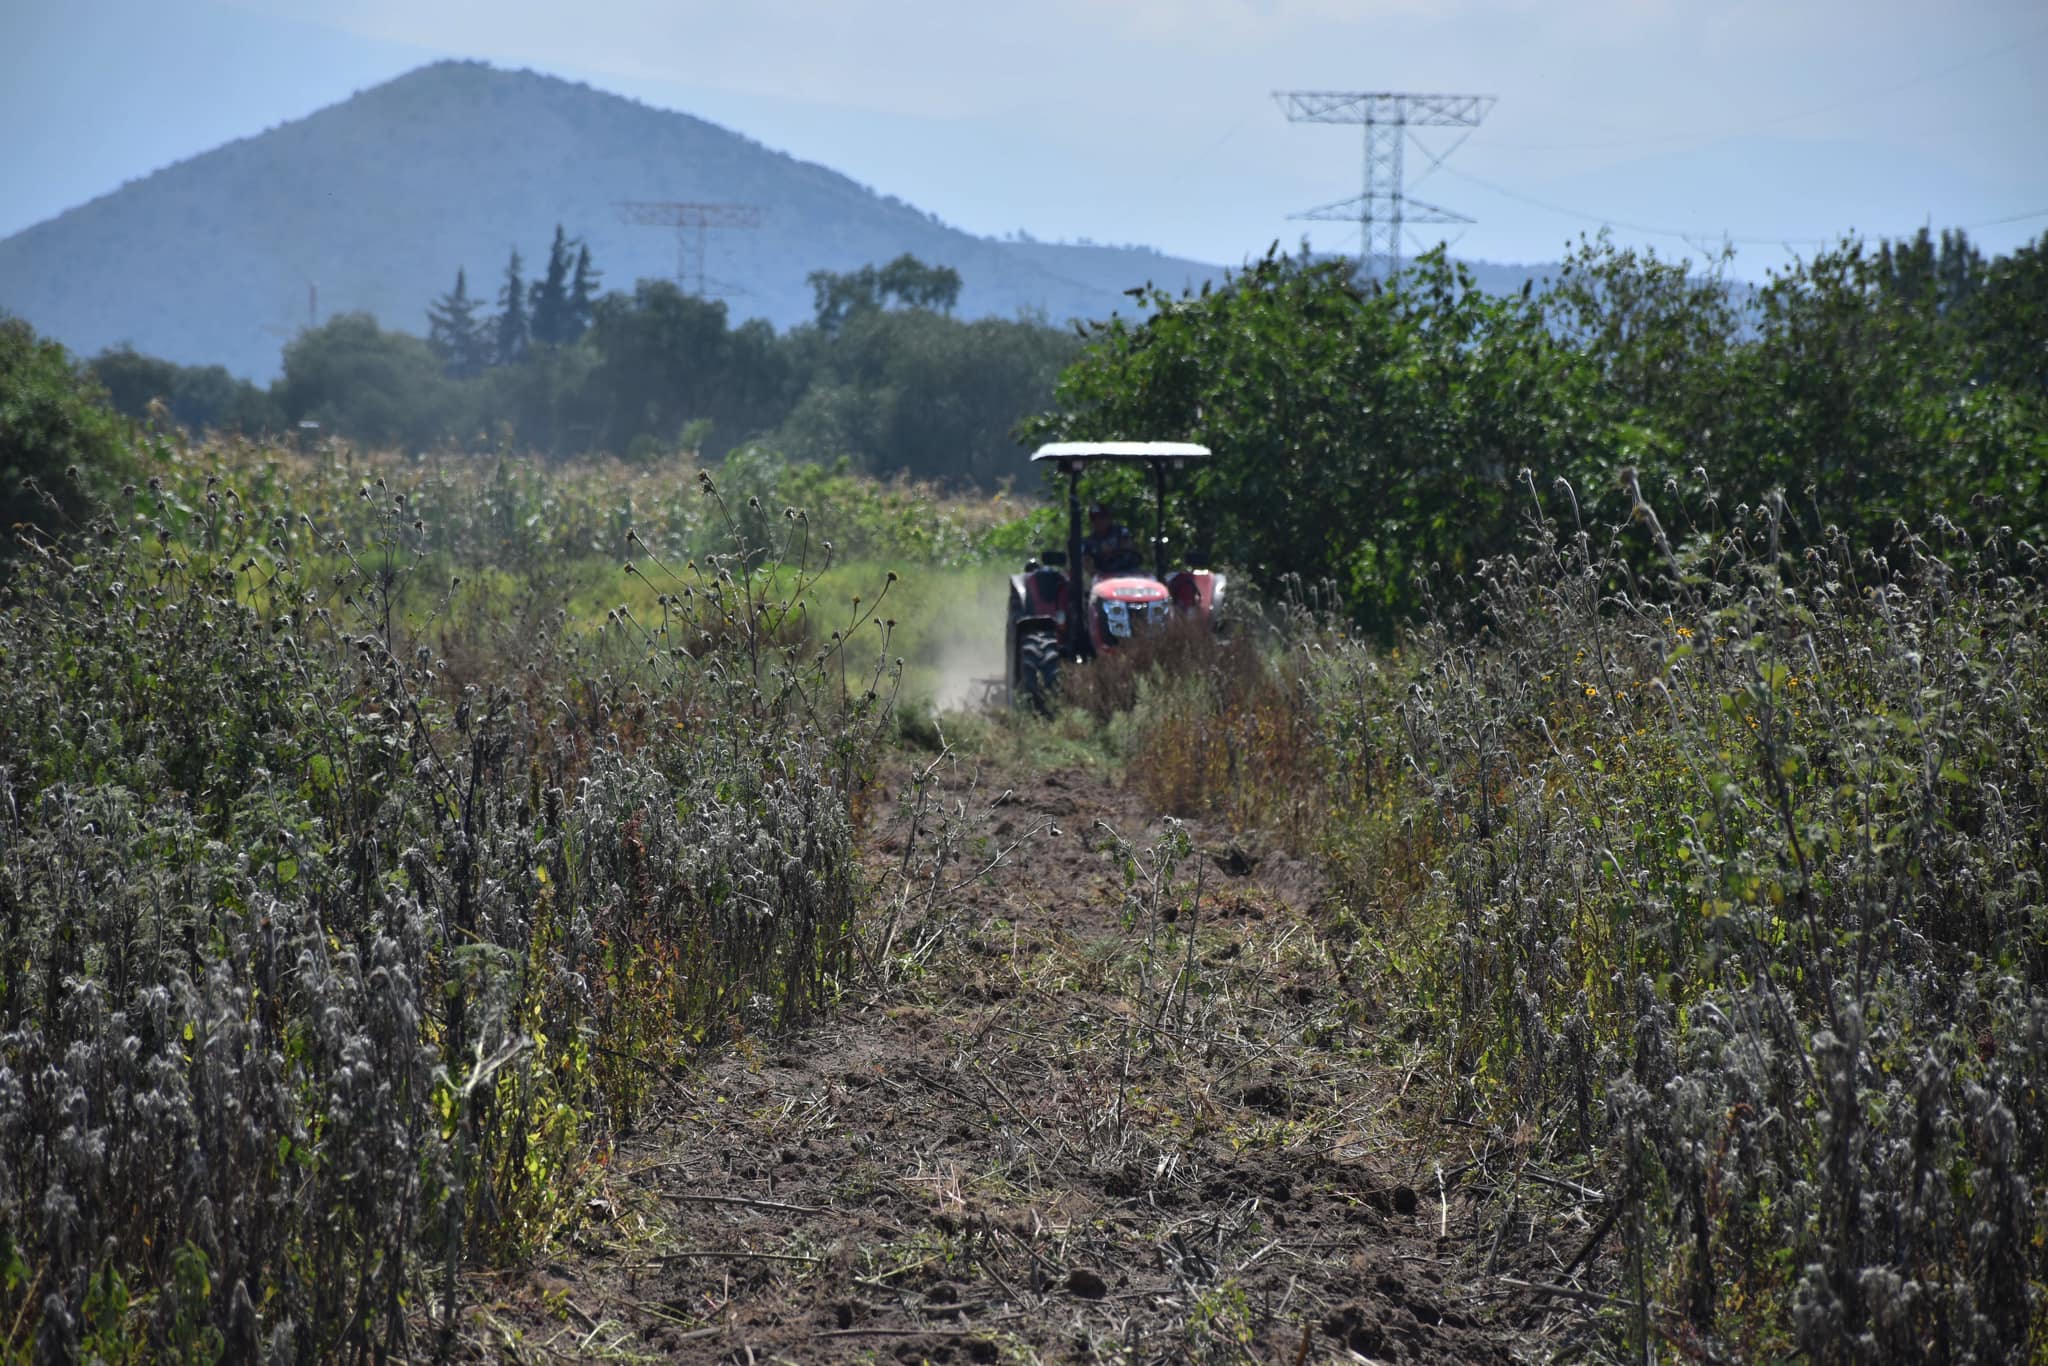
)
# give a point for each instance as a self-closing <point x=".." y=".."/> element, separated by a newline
<point x="59" y="442"/>
<point x="913" y="284"/>
<point x="134" y="382"/>
<point x="668" y="359"/>
<point x="513" y="330"/>
<point x="455" y="333"/>
<point x="1879" y="412"/>
<point x="2009" y="320"/>
<point x="583" y="292"/>
<point x="196" y="397"/>
<point x="1941" y="276"/>
<point x="913" y="391"/>
<point x="553" y="320"/>
<point x="375" y="387"/>
<point x="1363" y="436"/>
<point x="838" y="296"/>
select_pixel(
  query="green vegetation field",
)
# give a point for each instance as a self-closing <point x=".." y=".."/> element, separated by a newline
<point x="1654" y="676"/>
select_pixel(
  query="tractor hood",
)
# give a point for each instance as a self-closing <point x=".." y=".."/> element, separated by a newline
<point x="1130" y="588"/>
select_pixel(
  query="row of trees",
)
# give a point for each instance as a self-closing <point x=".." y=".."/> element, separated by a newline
<point x="885" y="375"/>
<point x="1365" y="434"/>
<point x="1369" y="437"/>
<point x="554" y="310"/>
<point x="905" y="281"/>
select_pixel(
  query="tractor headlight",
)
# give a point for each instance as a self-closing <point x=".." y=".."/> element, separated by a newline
<point x="1121" y="620"/>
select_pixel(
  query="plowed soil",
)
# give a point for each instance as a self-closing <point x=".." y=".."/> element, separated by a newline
<point x="1062" y="1129"/>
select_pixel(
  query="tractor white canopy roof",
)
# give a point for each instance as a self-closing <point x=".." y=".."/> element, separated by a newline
<point x="1120" y="450"/>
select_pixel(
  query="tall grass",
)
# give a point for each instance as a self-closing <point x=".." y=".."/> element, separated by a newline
<point x="1712" y="867"/>
<point x="1207" y="724"/>
<point x="1708" y="867"/>
<point x="340" y="926"/>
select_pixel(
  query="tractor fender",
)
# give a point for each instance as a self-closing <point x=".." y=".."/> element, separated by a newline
<point x="1034" y="599"/>
<point x="1024" y="626"/>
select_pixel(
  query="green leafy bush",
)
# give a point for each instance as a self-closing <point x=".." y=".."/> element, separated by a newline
<point x="199" y="398"/>
<point x="59" y="444"/>
<point x="378" y="387"/>
<point x="1371" y="438"/>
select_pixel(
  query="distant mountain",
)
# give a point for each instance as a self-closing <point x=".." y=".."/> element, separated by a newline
<point x="376" y="201"/>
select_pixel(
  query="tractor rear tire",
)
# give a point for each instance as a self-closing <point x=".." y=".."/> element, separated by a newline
<point x="1038" y="670"/>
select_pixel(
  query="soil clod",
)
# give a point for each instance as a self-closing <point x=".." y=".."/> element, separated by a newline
<point x="1085" y="1284"/>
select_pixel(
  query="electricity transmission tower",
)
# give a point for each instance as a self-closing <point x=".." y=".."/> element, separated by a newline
<point x="1385" y="207"/>
<point x="692" y="223"/>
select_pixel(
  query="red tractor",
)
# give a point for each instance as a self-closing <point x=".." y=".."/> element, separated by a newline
<point x="1058" y="617"/>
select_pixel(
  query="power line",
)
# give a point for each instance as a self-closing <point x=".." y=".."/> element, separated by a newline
<point x="1211" y="150"/>
<point x="1868" y="93"/>
<point x="2009" y="218"/>
<point x="1605" y="220"/>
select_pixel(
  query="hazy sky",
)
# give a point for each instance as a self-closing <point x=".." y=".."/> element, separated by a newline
<point x="1776" y="122"/>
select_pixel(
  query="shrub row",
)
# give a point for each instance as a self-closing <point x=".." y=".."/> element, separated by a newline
<point x="1714" y="889"/>
<point x="325" y="972"/>
<point x="1723" y="881"/>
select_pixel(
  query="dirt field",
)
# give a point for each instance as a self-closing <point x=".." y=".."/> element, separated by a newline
<point x="1062" y="1134"/>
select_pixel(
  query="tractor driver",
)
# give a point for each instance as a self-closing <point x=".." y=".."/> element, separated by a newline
<point x="1108" y="547"/>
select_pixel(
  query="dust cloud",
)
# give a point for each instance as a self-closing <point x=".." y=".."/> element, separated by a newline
<point x="962" y="648"/>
